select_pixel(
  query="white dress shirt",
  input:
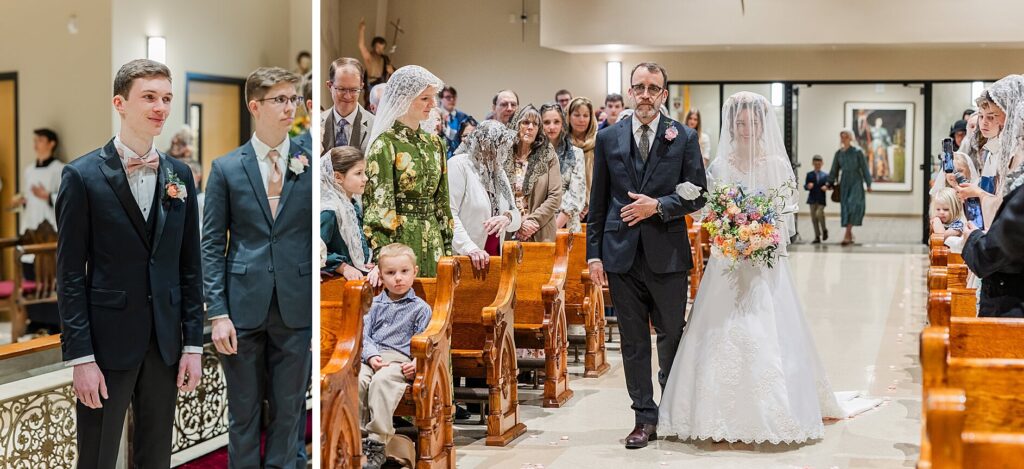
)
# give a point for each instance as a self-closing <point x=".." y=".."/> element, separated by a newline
<point x="143" y="186"/>
<point x="143" y="181"/>
<point x="262" y="149"/>
<point x="650" y="133"/>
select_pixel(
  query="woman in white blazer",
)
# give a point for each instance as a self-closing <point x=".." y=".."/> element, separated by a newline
<point x="480" y="194"/>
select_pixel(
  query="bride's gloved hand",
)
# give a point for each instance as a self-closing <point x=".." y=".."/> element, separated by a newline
<point x="688" y="190"/>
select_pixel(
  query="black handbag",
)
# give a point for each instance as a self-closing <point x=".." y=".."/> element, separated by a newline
<point x="836" y="196"/>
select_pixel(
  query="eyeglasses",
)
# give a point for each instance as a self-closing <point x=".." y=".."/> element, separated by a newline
<point x="346" y="91"/>
<point x="282" y="99"/>
<point x="654" y="90"/>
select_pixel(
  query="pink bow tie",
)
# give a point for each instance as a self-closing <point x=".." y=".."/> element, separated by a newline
<point x="151" y="161"/>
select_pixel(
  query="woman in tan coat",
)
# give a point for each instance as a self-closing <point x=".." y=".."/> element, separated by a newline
<point x="535" y="177"/>
<point x="583" y="134"/>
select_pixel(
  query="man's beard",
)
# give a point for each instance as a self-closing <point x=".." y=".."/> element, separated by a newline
<point x="646" y="113"/>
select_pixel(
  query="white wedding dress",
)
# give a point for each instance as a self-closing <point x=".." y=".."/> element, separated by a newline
<point x="747" y="368"/>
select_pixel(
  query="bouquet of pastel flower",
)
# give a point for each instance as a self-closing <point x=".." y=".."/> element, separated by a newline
<point x="742" y="226"/>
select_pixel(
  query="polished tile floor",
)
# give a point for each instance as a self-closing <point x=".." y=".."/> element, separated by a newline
<point x="865" y="307"/>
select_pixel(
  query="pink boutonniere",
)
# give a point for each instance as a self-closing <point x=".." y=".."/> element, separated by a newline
<point x="298" y="163"/>
<point x="671" y="133"/>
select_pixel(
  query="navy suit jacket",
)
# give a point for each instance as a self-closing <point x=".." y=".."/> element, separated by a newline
<point x="665" y="241"/>
<point x="117" y="286"/>
<point x="247" y="254"/>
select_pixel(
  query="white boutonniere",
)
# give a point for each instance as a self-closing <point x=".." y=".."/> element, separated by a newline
<point x="298" y="163"/>
<point x="175" y="187"/>
<point x="671" y="133"/>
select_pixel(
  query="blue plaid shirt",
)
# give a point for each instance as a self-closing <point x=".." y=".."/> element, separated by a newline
<point x="390" y="324"/>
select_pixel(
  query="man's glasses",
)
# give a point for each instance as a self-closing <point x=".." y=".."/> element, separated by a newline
<point x="347" y="91"/>
<point x="654" y="90"/>
<point x="297" y="100"/>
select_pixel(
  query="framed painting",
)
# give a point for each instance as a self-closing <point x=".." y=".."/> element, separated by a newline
<point x="885" y="132"/>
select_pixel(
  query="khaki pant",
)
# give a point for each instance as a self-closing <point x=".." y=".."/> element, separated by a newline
<point x="818" y="220"/>
<point x="380" y="393"/>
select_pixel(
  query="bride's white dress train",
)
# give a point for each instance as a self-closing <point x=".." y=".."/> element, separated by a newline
<point x="747" y="368"/>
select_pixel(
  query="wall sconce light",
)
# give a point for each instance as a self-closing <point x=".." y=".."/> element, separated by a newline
<point x="614" y="77"/>
<point x="156" y="48"/>
<point x="776" y="94"/>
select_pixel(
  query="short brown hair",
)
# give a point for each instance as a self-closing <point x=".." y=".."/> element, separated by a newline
<point x="344" y="158"/>
<point x="345" y="62"/>
<point x="138" y="68"/>
<point x="396" y="250"/>
<point x="263" y="79"/>
<point x="650" y="67"/>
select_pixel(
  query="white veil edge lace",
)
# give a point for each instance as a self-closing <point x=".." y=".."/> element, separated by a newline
<point x="768" y="167"/>
<point x="403" y="87"/>
<point x="331" y="198"/>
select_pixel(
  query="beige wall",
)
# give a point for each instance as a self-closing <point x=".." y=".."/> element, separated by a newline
<point x="473" y="46"/>
<point x="688" y="23"/>
<point x="63" y="78"/>
<point x="223" y="40"/>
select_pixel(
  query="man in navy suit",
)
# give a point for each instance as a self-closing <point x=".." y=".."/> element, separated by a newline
<point x="257" y="259"/>
<point x="648" y="175"/>
<point x="130" y="278"/>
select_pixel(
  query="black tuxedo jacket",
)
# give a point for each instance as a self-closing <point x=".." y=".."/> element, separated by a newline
<point x="120" y="279"/>
<point x="997" y="256"/>
<point x="666" y="246"/>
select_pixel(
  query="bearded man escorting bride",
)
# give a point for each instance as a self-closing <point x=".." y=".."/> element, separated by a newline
<point x="746" y="368"/>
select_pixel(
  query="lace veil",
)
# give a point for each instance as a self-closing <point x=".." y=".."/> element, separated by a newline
<point x="332" y="198"/>
<point x="403" y="87"/>
<point x="752" y="153"/>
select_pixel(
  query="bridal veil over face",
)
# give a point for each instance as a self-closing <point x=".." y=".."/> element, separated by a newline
<point x="403" y="87"/>
<point x="752" y="153"/>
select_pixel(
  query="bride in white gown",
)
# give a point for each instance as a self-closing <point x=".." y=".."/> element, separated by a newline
<point x="747" y="368"/>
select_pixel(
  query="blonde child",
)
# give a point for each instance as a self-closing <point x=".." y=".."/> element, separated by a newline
<point x="396" y="315"/>
<point x="948" y="213"/>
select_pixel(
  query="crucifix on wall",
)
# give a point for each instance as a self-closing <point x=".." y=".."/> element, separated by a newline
<point x="397" y="24"/>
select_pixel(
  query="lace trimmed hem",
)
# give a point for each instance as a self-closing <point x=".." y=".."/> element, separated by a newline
<point x="816" y="434"/>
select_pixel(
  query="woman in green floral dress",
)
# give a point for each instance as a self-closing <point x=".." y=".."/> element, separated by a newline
<point x="406" y="197"/>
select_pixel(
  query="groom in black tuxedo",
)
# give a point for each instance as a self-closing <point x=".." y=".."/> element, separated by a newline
<point x="648" y="175"/>
<point x="129" y="278"/>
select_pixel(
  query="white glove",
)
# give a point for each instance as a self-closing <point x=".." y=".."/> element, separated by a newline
<point x="688" y="190"/>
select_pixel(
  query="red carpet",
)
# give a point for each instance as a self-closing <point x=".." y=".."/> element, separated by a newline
<point x="219" y="458"/>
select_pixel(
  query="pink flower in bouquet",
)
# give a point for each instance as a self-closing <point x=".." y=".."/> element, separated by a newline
<point x="711" y="216"/>
<point x="755" y="216"/>
<point x="741" y="218"/>
<point x="733" y="210"/>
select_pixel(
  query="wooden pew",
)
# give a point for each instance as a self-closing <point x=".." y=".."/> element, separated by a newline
<point x="963" y="338"/>
<point x="482" y="340"/>
<point x="540" y="312"/>
<point x="342" y="306"/>
<point x="429" y="399"/>
<point x="978" y="421"/>
<point x="584" y="305"/>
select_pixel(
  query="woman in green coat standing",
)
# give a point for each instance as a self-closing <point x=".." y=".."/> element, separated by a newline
<point x="852" y="163"/>
<point x="406" y="197"/>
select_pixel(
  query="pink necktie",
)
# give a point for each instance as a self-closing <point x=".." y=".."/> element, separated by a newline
<point x="151" y="161"/>
<point x="274" y="182"/>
